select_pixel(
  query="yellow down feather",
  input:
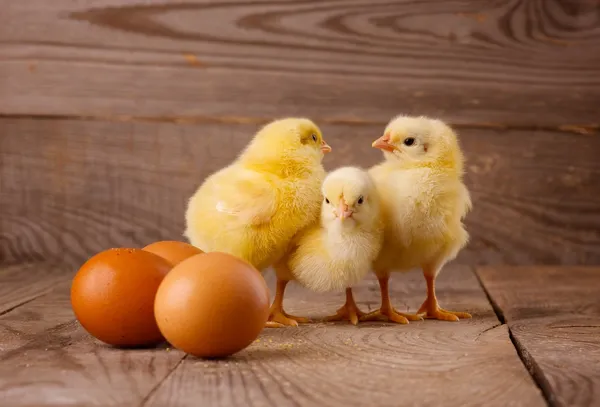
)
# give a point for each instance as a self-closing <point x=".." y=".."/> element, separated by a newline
<point x="336" y="253"/>
<point x="253" y="207"/>
<point x="424" y="200"/>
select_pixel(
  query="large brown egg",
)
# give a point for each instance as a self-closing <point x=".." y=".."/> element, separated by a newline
<point x="173" y="251"/>
<point x="212" y="305"/>
<point x="113" y="293"/>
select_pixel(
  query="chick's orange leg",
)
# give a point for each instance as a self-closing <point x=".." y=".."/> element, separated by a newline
<point x="277" y="316"/>
<point x="348" y="312"/>
<point x="432" y="309"/>
<point x="387" y="311"/>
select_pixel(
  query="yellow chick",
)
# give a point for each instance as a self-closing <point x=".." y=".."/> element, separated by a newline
<point x="424" y="202"/>
<point x="338" y="251"/>
<point x="256" y="205"/>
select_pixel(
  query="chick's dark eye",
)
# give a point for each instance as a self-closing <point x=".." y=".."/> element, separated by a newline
<point x="360" y="200"/>
<point x="326" y="200"/>
<point x="409" y="141"/>
<point x="314" y="137"/>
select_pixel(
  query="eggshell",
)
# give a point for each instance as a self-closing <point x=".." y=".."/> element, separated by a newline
<point x="113" y="293"/>
<point x="173" y="251"/>
<point x="212" y="305"/>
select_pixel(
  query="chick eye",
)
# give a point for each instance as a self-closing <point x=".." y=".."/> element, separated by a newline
<point x="360" y="200"/>
<point x="409" y="141"/>
<point x="326" y="200"/>
<point x="314" y="137"/>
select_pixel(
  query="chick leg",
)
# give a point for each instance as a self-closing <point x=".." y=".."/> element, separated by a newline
<point x="387" y="311"/>
<point x="277" y="316"/>
<point x="348" y="312"/>
<point x="431" y="308"/>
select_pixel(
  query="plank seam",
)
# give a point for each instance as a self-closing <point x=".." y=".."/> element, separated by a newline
<point x="6" y="311"/>
<point x="40" y="294"/>
<point x="528" y="361"/>
<point x="571" y="128"/>
<point x="534" y="370"/>
<point x="157" y="385"/>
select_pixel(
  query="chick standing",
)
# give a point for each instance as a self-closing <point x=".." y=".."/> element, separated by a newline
<point x="256" y="205"/>
<point x="424" y="202"/>
<point x="338" y="251"/>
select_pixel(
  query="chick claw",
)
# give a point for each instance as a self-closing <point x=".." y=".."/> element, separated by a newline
<point x="391" y="315"/>
<point x="280" y="319"/>
<point x="442" y="314"/>
<point x="346" y="313"/>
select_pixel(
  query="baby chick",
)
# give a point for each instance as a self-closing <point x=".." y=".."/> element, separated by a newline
<point x="256" y="205"/>
<point x="424" y="202"/>
<point x="338" y="251"/>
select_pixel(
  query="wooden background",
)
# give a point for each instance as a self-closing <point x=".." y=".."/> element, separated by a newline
<point x="112" y="112"/>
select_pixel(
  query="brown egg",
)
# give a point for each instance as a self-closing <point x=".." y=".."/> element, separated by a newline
<point x="173" y="251"/>
<point x="113" y="293"/>
<point x="212" y="305"/>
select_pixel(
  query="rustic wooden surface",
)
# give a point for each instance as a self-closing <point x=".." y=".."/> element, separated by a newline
<point x="554" y="316"/>
<point x="46" y="358"/>
<point x="91" y="185"/>
<point x="23" y="282"/>
<point x="507" y="62"/>
<point x="113" y="111"/>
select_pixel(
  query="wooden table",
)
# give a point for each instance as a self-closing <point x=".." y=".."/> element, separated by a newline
<point x="534" y="340"/>
<point x="112" y="112"/>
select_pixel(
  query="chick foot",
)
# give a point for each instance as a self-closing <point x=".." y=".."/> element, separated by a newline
<point x="432" y="310"/>
<point x="278" y="318"/>
<point x="435" y="312"/>
<point x="387" y="311"/>
<point x="347" y="312"/>
<point x="390" y="314"/>
<point x="273" y="324"/>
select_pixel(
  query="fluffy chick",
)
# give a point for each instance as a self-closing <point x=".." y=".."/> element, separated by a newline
<point x="424" y="202"/>
<point x="338" y="251"/>
<point x="256" y="205"/>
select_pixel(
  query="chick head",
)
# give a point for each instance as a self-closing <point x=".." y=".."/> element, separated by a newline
<point x="288" y="141"/>
<point x="420" y="141"/>
<point x="349" y="199"/>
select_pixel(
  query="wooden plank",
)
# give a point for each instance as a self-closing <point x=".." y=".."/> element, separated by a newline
<point x="21" y="283"/>
<point x="553" y="314"/>
<point x="426" y="363"/>
<point x="47" y="359"/>
<point x="73" y="188"/>
<point x="510" y="62"/>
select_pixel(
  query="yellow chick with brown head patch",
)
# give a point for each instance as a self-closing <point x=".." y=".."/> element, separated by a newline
<point x="337" y="252"/>
<point x="256" y="205"/>
<point x="424" y="202"/>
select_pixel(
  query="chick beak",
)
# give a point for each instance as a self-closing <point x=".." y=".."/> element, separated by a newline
<point x="343" y="211"/>
<point x="383" y="143"/>
<point x="325" y="147"/>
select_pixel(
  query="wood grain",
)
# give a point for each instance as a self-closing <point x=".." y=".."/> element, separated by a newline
<point x="427" y="363"/>
<point x="509" y="62"/>
<point x="554" y="317"/>
<point x="73" y="188"/>
<point x="47" y="359"/>
<point x="21" y="283"/>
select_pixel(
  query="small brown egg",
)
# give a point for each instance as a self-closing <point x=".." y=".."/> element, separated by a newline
<point x="173" y="251"/>
<point x="212" y="305"/>
<point x="113" y="293"/>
